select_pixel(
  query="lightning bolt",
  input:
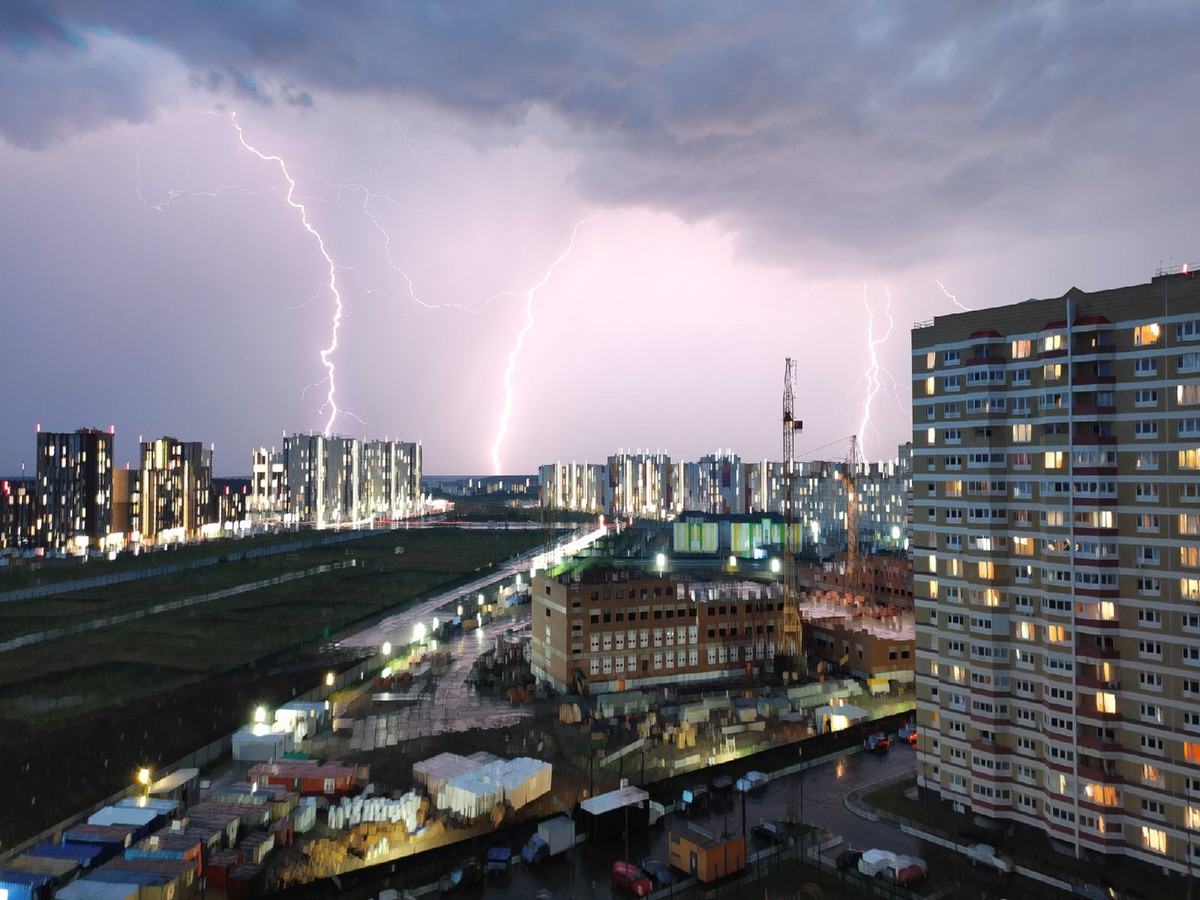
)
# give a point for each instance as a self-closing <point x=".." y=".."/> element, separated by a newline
<point x="327" y="353"/>
<point x="506" y="409"/>
<point x="875" y="369"/>
<point x="954" y="299"/>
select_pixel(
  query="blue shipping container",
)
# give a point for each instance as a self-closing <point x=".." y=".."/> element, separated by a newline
<point x="84" y="854"/>
<point x="25" y="885"/>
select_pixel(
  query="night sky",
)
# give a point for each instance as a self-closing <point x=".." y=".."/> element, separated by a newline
<point x="754" y="180"/>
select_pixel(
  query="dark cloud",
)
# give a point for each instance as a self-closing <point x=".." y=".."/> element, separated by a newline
<point x="819" y="124"/>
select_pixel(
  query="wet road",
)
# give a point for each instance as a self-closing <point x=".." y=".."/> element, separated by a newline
<point x="398" y="629"/>
<point x="586" y="875"/>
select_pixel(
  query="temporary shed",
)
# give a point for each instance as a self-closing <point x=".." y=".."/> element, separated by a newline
<point x="142" y="820"/>
<point x="606" y="815"/>
<point x="59" y="871"/>
<point x="87" y="889"/>
<point x="705" y="856"/>
<point x="304" y="718"/>
<point x="179" y="785"/>
<point x="253" y="744"/>
<point x="113" y="839"/>
<point x="86" y="855"/>
<point x="308" y="777"/>
<point x="162" y="805"/>
<point x="180" y="873"/>
<point x="835" y="718"/>
<point x="25" y="885"/>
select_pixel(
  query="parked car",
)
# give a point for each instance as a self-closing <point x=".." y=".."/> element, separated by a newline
<point x="500" y="860"/>
<point x="905" y="871"/>
<point x="466" y="873"/>
<point x="877" y="743"/>
<point x="628" y="879"/>
<point x="908" y="734"/>
<point x="986" y="855"/>
<point x="872" y="863"/>
<point x="694" y="799"/>
<point x="658" y="872"/>
<point x="847" y="860"/>
<point x="771" y="831"/>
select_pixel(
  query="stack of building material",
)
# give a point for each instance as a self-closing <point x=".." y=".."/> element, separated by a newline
<point x="620" y="704"/>
<point x="569" y="713"/>
<point x="304" y="718"/>
<point x="226" y="820"/>
<point x="304" y="817"/>
<point x="409" y="810"/>
<point x="433" y="773"/>
<point x="256" y="846"/>
<point x="516" y="782"/>
<point x="219" y="866"/>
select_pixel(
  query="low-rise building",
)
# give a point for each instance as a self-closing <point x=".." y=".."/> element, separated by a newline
<point x="863" y="639"/>
<point x="606" y="629"/>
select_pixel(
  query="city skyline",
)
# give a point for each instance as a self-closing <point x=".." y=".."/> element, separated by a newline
<point x="740" y="188"/>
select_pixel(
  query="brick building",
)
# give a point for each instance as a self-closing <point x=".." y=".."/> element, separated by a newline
<point x="608" y="629"/>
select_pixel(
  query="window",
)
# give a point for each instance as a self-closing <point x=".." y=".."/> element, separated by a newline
<point x="1153" y="839"/>
<point x="1148" y="523"/>
<point x="1145" y="366"/>
<point x="1189" y="588"/>
<point x="1150" y="649"/>
<point x="1021" y="349"/>
<point x="1188" y="331"/>
<point x="1189" y="362"/>
<point x="1053" y="342"/>
<point x="1189" y="523"/>
<point x="929" y="388"/>
<point x="950" y="358"/>
<point x="1022" y="434"/>
<point x="1106" y="703"/>
<point x="1052" y="372"/>
<point x="1145" y="429"/>
<point x="1189" y="459"/>
<point x="1144" y="335"/>
<point x="1187" y="394"/>
<point x="1145" y="397"/>
<point x="1147" y="461"/>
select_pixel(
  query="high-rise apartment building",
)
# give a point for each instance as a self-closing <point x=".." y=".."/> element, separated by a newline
<point x="171" y="498"/>
<point x="268" y="481"/>
<point x="339" y="481"/>
<point x="574" y="486"/>
<point x="18" y="514"/>
<point x="74" y="489"/>
<point x="1056" y="524"/>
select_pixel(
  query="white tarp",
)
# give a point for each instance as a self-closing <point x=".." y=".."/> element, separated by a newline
<point x="516" y="782"/>
<point x="433" y="773"/>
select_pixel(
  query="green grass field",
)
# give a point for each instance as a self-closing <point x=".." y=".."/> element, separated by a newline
<point x="50" y="682"/>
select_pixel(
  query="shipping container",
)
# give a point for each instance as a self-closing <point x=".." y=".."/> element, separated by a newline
<point x="87" y="889"/>
<point x="87" y="855"/>
<point x="219" y="867"/>
<point x="25" y="886"/>
<point x="58" y="870"/>
<point x="245" y="882"/>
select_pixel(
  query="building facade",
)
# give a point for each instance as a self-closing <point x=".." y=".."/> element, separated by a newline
<point x="172" y="497"/>
<point x="578" y="487"/>
<point x="74" y="489"/>
<point x="1056" y="518"/>
<point x="18" y="514"/>
<point x="609" y="629"/>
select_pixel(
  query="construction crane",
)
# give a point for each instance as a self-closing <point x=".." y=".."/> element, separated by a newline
<point x="791" y="601"/>
<point x="850" y="479"/>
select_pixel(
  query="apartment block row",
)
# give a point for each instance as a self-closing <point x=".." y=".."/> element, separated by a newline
<point x="1056" y="543"/>
<point x="323" y="480"/>
<point x="651" y="486"/>
<point x="79" y="501"/>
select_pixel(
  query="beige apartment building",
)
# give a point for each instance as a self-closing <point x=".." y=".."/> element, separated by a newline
<point x="608" y="629"/>
<point x="1056" y="532"/>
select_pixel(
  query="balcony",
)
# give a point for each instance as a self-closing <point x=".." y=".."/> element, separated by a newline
<point x="1098" y="744"/>
<point x="1089" y="650"/>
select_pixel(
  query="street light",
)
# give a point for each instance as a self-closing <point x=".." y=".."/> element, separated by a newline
<point x="143" y="778"/>
<point x="387" y="648"/>
<point x="775" y="567"/>
<point x="660" y="560"/>
<point x="260" y="715"/>
<point x="329" y="679"/>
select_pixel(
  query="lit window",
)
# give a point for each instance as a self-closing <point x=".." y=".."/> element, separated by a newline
<point x="1146" y="334"/>
<point x="1021" y="349"/>
<point x="929" y="386"/>
<point x="1022" y="434"/>
<point x="1153" y="839"/>
<point x="931" y="435"/>
<point x="1052" y="342"/>
<point x="1106" y="703"/>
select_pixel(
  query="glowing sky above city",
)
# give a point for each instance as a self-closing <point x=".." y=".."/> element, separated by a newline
<point x="764" y="174"/>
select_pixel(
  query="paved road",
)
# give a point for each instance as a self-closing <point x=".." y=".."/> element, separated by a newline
<point x="825" y="788"/>
<point x="398" y="629"/>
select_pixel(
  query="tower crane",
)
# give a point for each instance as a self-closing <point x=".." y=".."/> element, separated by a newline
<point x="791" y="601"/>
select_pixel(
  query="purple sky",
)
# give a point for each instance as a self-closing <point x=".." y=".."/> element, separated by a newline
<point x="763" y="172"/>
